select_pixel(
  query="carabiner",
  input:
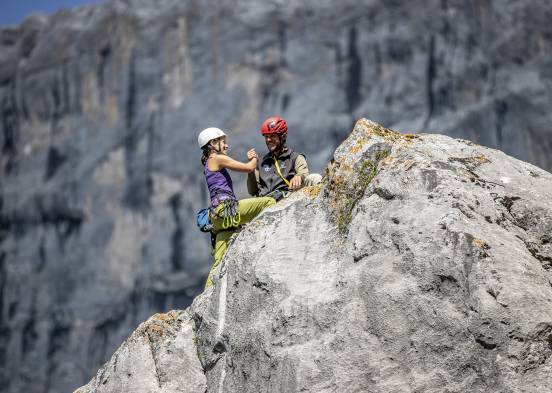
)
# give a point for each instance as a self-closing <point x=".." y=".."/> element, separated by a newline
<point x="236" y="219"/>
<point x="226" y="222"/>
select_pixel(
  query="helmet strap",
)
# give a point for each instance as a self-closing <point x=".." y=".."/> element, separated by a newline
<point x="281" y="144"/>
<point x="217" y="149"/>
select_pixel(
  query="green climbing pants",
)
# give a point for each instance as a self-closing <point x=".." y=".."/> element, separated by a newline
<point x="249" y="209"/>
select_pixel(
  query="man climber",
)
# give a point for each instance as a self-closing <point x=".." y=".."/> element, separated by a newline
<point x="281" y="170"/>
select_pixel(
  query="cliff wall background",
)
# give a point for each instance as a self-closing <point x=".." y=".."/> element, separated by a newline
<point x="100" y="107"/>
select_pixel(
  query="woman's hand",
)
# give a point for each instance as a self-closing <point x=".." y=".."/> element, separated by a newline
<point x="295" y="182"/>
<point x="251" y="154"/>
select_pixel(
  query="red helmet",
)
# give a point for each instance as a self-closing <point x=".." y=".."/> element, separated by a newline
<point x="274" y="125"/>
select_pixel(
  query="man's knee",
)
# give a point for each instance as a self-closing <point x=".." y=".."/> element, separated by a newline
<point x="313" y="179"/>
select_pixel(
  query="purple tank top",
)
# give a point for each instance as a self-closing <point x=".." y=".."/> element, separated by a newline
<point x="219" y="184"/>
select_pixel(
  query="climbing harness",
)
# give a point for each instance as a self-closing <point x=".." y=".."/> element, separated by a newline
<point x="229" y="213"/>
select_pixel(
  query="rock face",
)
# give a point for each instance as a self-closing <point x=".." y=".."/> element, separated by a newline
<point x="100" y="108"/>
<point x="423" y="264"/>
<point x="160" y="354"/>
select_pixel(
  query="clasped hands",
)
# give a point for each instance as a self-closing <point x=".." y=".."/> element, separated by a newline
<point x="251" y="154"/>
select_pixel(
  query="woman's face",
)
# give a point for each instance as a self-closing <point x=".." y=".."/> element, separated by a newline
<point x="220" y="145"/>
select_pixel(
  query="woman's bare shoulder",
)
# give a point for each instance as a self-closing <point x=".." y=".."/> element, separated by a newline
<point x="214" y="163"/>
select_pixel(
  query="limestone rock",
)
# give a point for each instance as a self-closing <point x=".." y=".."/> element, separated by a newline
<point x="159" y="356"/>
<point x="421" y="265"/>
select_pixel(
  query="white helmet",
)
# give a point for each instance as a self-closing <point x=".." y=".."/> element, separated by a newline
<point x="208" y="134"/>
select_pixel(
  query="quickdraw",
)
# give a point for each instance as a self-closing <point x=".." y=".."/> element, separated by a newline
<point x="230" y="214"/>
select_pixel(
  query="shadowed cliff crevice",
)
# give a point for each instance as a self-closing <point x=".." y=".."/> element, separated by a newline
<point x="500" y="109"/>
<point x="10" y="127"/>
<point x="103" y="74"/>
<point x="65" y="221"/>
<point x="353" y="83"/>
<point x="5" y="331"/>
<point x="54" y="161"/>
<point x="139" y="156"/>
<point x="130" y="100"/>
<point x="430" y="80"/>
<point x="177" y="238"/>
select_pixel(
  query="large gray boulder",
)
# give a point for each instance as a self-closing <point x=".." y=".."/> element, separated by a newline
<point x="423" y="264"/>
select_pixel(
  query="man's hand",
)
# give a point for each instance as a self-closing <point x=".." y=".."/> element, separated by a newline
<point x="295" y="182"/>
<point x="251" y="154"/>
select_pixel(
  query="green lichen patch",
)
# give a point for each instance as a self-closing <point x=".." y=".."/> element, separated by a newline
<point x="366" y="173"/>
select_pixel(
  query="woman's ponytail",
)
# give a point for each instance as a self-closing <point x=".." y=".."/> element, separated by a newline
<point x="205" y="154"/>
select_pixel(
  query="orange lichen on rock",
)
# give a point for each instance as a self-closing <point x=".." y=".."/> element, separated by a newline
<point x="155" y="329"/>
<point x="471" y="162"/>
<point x="311" y="191"/>
<point x="159" y="325"/>
<point x="482" y="244"/>
<point x="409" y="164"/>
<point x="166" y="316"/>
<point x="482" y="159"/>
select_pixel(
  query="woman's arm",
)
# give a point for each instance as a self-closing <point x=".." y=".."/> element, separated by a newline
<point x="221" y="161"/>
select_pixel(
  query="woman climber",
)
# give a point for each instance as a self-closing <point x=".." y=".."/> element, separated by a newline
<point x="226" y="212"/>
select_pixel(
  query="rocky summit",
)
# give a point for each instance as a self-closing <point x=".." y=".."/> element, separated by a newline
<point x="422" y="264"/>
